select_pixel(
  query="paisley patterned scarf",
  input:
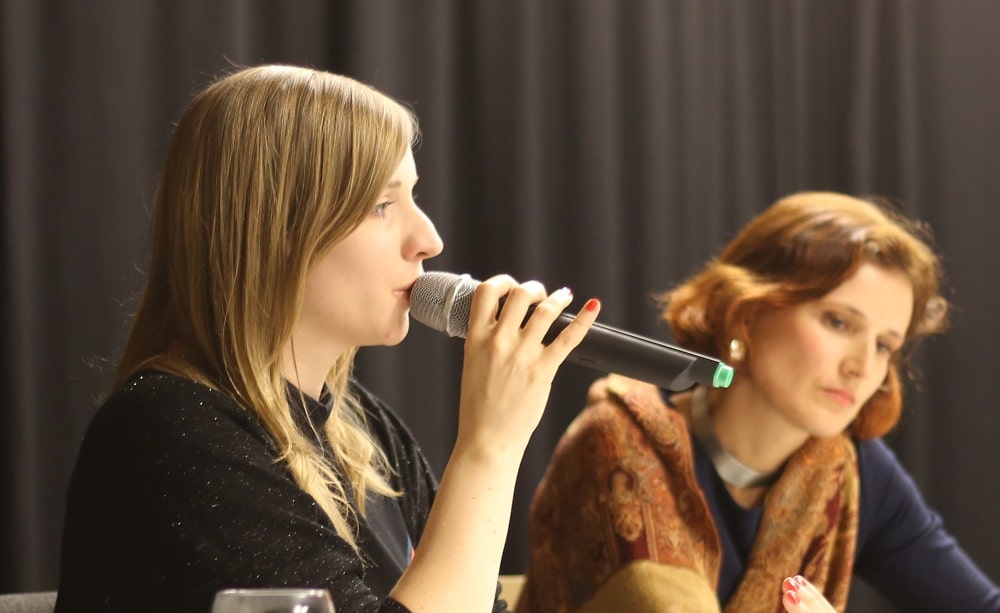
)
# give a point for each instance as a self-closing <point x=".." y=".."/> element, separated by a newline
<point x="619" y="523"/>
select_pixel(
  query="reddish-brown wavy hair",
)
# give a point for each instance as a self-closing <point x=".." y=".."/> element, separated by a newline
<point x="799" y="249"/>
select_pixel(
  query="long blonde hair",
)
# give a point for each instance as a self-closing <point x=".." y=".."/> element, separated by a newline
<point x="267" y="168"/>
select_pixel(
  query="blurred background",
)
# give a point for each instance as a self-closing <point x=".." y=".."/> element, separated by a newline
<point x="608" y="145"/>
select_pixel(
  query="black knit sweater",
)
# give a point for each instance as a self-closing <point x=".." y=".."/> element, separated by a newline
<point x="177" y="493"/>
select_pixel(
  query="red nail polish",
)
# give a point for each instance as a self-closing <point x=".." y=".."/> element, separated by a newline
<point x="592" y="304"/>
<point x="789" y="584"/>
<point x="793" y="597"/>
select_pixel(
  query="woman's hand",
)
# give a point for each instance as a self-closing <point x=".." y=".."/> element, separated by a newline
<point x="801" y="596"/>
<point x="507" y="372"/>
<point x="506" y="379"/>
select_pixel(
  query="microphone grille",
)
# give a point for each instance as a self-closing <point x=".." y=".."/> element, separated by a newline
<point x="442" y="301"/>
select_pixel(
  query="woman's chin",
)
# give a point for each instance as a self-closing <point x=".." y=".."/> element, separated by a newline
<point x="396" y="335"/>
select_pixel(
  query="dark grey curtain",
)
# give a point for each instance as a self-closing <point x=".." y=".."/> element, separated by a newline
<point x="608" y="146"/>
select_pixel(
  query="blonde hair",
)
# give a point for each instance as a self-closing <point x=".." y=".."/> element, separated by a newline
<point x="267" y="168"/>
<point x="799" y="249"/>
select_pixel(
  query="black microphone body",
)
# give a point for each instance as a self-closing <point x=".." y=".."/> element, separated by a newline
<point x="442" y="301"/>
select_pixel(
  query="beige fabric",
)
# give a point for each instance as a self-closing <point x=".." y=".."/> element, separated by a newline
<point x="510" y="589"/>
<point x="648" y="587"/>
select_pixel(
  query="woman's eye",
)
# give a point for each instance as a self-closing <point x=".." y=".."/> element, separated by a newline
<point x="835" y="322"/>
<point x="380" y="209"/>
<point x="887" y="348"/>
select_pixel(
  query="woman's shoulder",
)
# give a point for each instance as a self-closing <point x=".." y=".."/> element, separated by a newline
<point x="876" y="460"/>
<point x="156" y="412"/>
<point x="890" y="498"/>
<point x="620" y="401"/>
<point x="158" y="396"/>
<point x="884" y="480"/>
<point x="624" y="417"/>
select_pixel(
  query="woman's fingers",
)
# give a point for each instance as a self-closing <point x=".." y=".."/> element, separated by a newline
<point x="519" y="300"/>
<point x="528" y="313"/>
<point x="486" y="301"/>
<point x="508" y="369"/>
<point x="801" y="596"/>
<point x="574" y="333"/>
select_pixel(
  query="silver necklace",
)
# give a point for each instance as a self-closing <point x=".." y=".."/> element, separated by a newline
<point x="731" y="470"/>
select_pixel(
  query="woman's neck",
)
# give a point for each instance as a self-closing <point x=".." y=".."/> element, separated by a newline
<point x="308" y="375"/>
<point x="751" y="430"/>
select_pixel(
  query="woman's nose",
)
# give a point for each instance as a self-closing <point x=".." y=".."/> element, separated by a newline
<point x="856" y="361"/>
<point x="425" y="242"/>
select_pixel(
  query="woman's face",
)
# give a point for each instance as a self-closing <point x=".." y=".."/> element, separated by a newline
<point x="815" y="364"/>
<point x="358" y="292"/>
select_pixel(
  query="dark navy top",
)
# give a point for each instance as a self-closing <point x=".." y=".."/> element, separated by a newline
<point x="903" y="550"/>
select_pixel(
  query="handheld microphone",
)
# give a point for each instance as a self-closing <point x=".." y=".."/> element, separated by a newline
<point x="442" y="300"/>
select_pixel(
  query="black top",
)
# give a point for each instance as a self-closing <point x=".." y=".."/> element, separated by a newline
<point x="903" y="550"/>
<point x="177" y="493"/>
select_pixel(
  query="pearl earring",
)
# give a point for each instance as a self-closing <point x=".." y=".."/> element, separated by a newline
<point x="736" y="350"/>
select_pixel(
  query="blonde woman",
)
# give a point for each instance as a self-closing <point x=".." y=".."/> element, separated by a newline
<point x="235" y="449"/>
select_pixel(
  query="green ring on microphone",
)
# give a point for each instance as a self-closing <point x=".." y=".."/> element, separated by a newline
<point x="723" y="375"/>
